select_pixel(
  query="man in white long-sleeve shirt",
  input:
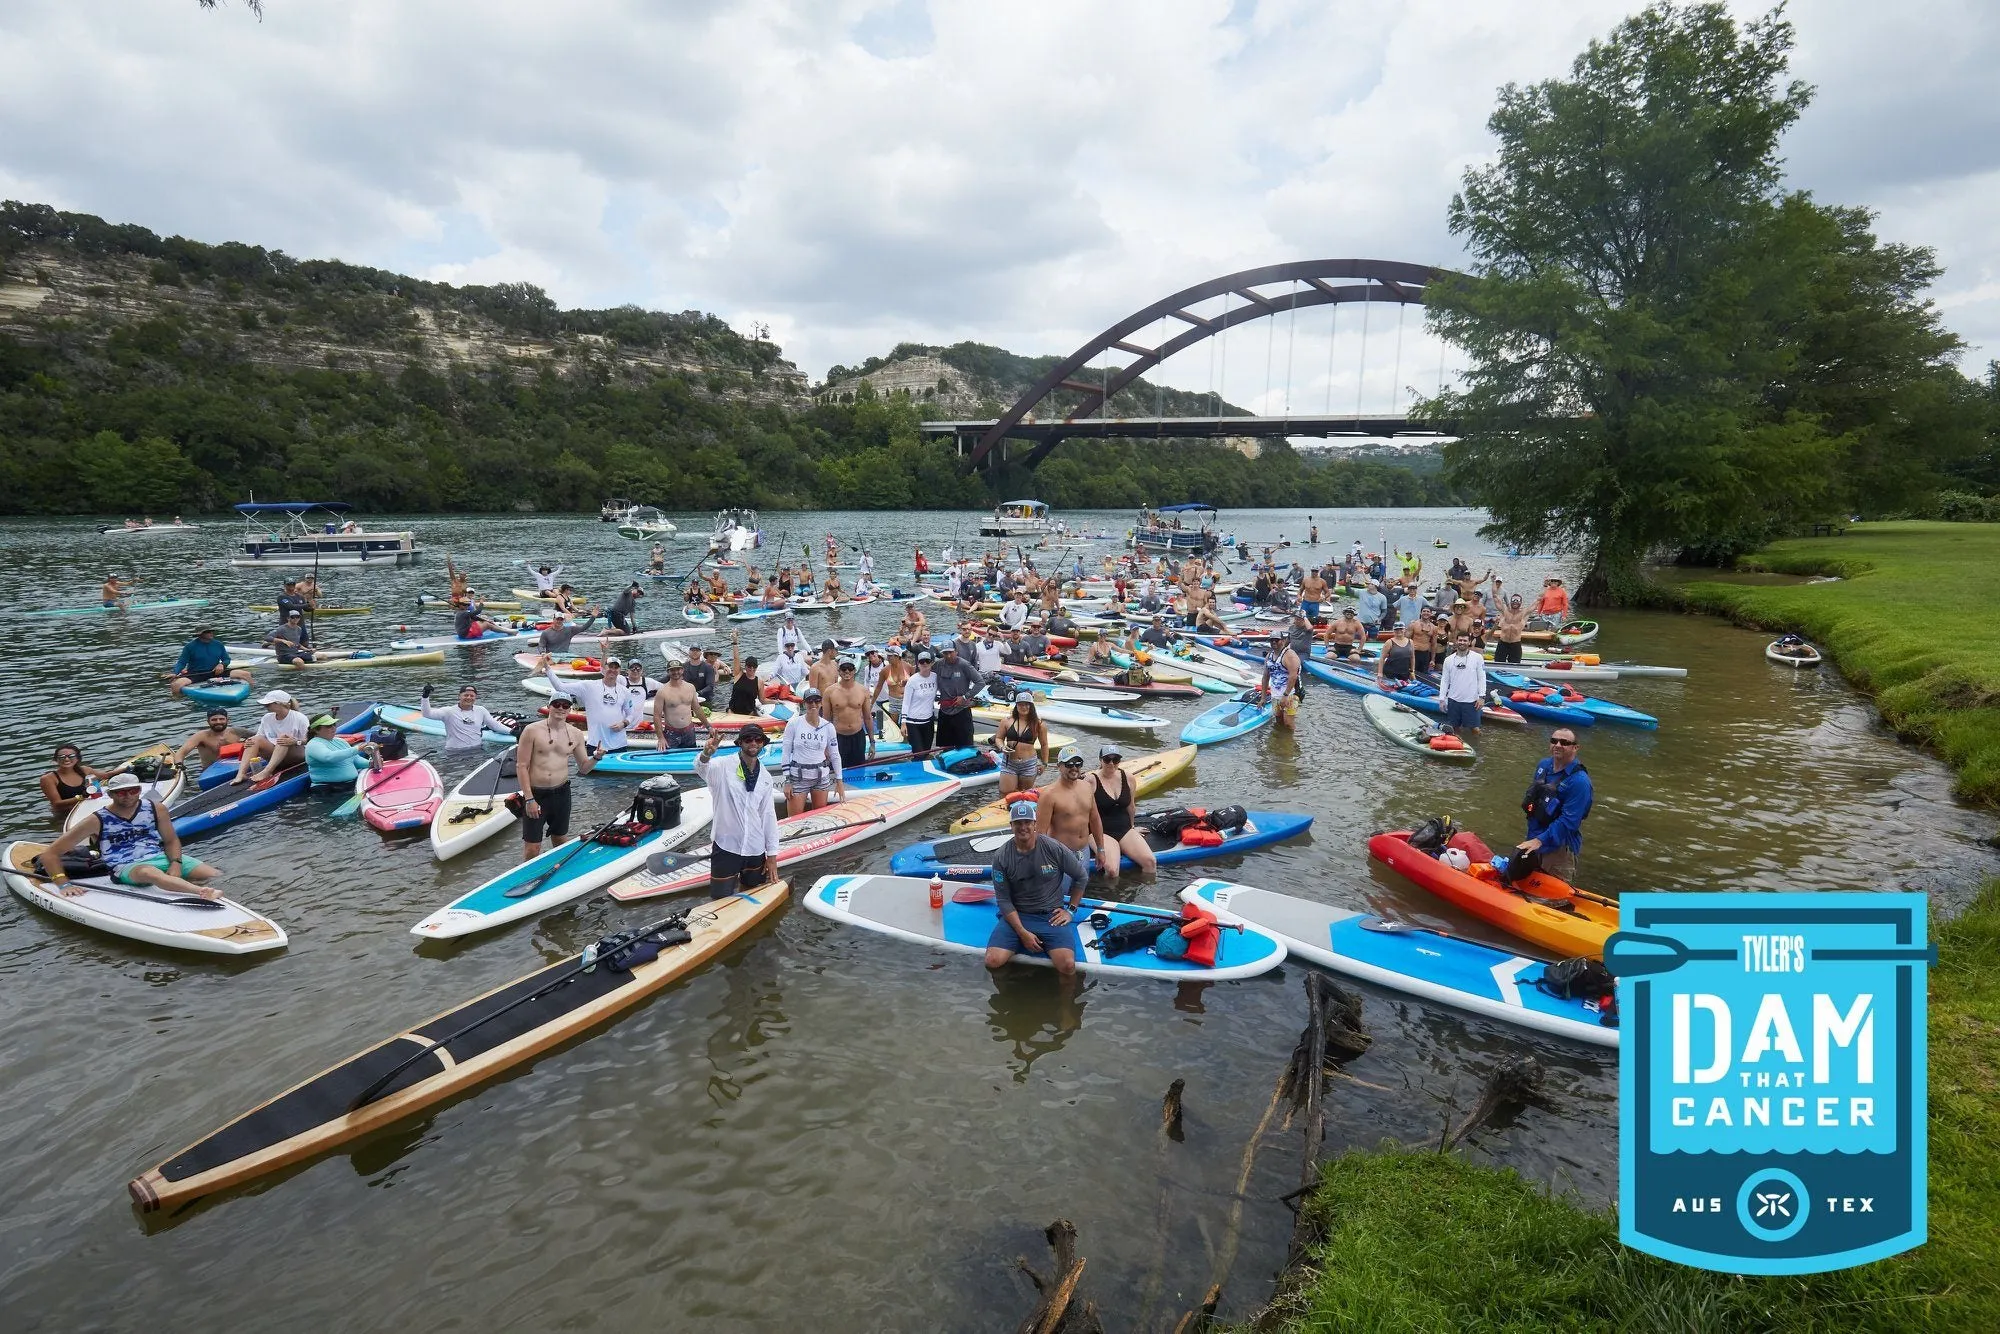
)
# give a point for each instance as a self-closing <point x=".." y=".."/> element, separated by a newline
<point x="789" y="633"/>
<point x="1462" y="686"/>
<point x="465" y="726"/>
<point x="743" y="791"/>
<point x="812" y="758"/>
<point x="787" y="676"/>
<point x="609" y="709"/>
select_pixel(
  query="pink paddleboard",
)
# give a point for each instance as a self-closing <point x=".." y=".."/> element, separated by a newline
<point x="403" y="796"/>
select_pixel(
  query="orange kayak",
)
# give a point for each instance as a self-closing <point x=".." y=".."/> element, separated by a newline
<point x="1577" y="927"/>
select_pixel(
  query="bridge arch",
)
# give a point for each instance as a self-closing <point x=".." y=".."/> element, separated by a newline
<point x="1314" y="282"/>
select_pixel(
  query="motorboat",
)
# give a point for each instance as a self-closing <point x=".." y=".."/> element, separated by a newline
<point x="315" y="534"/>
<point x="615" y="510"/>
<point x="1188" y="529"/>
<point x="147" y="528"/>
<point x="644" y="521"/>
<point x="735" y="530"/>
<point x="1018" y="518"/>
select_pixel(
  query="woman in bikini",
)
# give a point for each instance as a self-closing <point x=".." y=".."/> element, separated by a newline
<point x="1023" y="742"/>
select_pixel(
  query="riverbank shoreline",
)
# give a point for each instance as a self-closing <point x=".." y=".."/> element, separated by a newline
<point x="1421" y="1240"/>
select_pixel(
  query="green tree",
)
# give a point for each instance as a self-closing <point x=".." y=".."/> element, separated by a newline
<point x="1654" y="327"/>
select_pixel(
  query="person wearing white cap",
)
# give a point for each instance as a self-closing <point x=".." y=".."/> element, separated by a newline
<point x="787" y="675"/>
<point x="280" y="738"/>
<point x="790" y="634"/>
<point x="919" y="707"/>
<point x="609" y="710"/>
<point x="812" y="758"/>
<point x="135" y="837"/>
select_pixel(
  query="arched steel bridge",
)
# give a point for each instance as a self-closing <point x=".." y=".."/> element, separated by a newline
<point x="1317" y="282"/>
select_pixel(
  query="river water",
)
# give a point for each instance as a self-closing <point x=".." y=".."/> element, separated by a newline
<point x="826" y="1126"/>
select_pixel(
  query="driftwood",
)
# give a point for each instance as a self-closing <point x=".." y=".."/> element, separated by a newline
<point x="1171" y="1132"/>
<point x="1515" y="1082"/>
<point x="1333" y="1032"/>
<point x="1170" y="1111"/>
<point x="1202" y="1316"/>
<point x="1056" y="1312"/>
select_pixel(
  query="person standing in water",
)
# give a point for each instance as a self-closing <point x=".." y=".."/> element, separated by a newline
<point x="542" y="763"/>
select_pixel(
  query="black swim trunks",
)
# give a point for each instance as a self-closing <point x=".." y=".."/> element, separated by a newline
<point x="554" y="805"/>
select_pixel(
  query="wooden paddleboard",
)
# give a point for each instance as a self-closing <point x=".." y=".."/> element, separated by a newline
<point x="317" y="1115"/>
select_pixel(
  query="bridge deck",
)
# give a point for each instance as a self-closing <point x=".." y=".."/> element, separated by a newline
<point x="1098" y="428"/>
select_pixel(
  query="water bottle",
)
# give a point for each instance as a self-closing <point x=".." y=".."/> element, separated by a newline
<point x="937" y="892"/>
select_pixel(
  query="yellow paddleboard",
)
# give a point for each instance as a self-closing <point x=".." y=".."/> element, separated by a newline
<point x="435" y="656"/>
<point x="1149" y="772"/>
<point x="325" y="611"/>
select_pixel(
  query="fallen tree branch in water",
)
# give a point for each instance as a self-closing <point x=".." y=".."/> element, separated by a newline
<point x="1054" y="1313"/>
<point x="1515" y="1082"/>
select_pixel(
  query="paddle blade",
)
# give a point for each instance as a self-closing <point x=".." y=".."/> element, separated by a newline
<point x="350" y="808"/>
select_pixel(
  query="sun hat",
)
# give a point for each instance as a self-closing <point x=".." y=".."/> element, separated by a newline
<point x="121" y="782"/>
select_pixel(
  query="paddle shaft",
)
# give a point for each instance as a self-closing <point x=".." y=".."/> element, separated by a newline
<point x="523" y="891"/>
<point x="585" y="962"/>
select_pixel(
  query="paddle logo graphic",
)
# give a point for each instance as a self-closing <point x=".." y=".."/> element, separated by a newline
<point x="1772" y="1078"/>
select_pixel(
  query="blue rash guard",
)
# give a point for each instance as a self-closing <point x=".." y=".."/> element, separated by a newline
<point x="201" y="659"/>
<point x="330" y="760"/>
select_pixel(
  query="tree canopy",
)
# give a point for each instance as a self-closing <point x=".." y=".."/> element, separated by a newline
<point x="1670" y="352"/>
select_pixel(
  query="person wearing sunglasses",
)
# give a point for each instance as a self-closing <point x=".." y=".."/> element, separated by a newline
<point x="1556" y="805"/>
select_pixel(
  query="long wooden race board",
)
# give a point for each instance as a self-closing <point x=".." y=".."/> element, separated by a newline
<point x="313" y="1117"/>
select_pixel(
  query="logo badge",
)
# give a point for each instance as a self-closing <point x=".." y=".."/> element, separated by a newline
<point x="1772" y="1078"/>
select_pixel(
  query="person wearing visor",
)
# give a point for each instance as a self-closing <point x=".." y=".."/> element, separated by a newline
<point x="743" y="850"/>
<point x="135" y="837"/>
<point x="1116" y="797"/>
<point x="813" y="772"/>
<point x="1032" y="874"/>
<point x="331" y="762"/>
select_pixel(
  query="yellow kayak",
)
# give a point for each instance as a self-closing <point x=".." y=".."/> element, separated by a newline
<point x="435" y="656"/>
<point x="325" y="611"/>
<point x="1149" y="772"/>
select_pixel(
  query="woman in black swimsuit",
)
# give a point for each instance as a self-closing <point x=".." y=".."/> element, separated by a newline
<point x="1023" y="742"/>
<point x="69" y="782"/>
<point x="1116" y="796"/>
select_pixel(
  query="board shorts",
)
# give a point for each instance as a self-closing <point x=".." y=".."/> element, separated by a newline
<point x="554" y="819"/>
<point x="680" y="738"/>
<point x="123" y="875"/>
<point x="1558" y="862"/>
<point x="1027" y="769"/>
<point x="1506" y="652"/>
<point x="808" y="778"/>
<point x="1421" y="660"/>
<point x="1343" y="651"/>
<point x="853" y="748"/>
<point x="1461" y="713"/>
<point x="746" y="869"/>
<point x="1311" y="609"/>
<point x="1004" y="937"/>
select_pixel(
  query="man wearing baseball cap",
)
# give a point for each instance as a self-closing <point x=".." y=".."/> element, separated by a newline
<point x="541" y="764"/>
<point x="135" y="837"/>
<point x="1031" y="873"/>
<point x="280" y="738"/>
<point x="744" y="795"/>
<point x="1068" y="807"/>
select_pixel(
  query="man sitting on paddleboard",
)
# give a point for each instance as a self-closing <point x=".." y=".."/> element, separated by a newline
<point x="204" y="659"/>
<point x="292" y="641"/>
<point x="1030" y="873"/>
<point x="135" y="837"/>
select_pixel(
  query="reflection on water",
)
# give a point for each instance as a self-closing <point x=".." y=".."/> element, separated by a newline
<point x="825" y="1126"/>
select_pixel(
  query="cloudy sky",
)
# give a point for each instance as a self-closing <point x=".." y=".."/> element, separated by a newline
<point x="854" y="173"/>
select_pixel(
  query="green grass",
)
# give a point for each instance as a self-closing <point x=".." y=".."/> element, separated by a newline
<point x="1424" y="1241"/>
<point x="1911" y="622"/>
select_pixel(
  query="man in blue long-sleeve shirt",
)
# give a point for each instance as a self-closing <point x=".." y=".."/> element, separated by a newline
<point x="203" y="659"/>
<point x="1556" y="805"/>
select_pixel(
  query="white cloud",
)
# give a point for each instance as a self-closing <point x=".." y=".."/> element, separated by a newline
<point x="859" y="172"/>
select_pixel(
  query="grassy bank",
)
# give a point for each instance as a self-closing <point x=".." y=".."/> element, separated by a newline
<point x="1423" y="1241"/>
<point x="1911" y="622"/>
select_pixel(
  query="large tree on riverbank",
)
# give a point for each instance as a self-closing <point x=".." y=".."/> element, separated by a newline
<point x="1669" y="352"/>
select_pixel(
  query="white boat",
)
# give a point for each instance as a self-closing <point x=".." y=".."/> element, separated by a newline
<point x="645" y="521"/>
<point x="148" y="529"/>
<point x="321" y="543"/>
<point x="1184" y="528"/>
<point x="1018" y="518"/>
<point x="735" y="530"/>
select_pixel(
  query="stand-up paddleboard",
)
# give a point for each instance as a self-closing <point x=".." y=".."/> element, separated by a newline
<point x="1602" y="710"/>
<point x="169" y="604"/>
<point x="458" y="1049"/>
<point x="970" y="856"/>
<point x="477" y="808"/>
<point x="1419" y="962"/>
<point x="1175" y="674"/>
<point x="148" y="529"/>
<point x="432" y="602"/>
<point x="163" y="787"/>
<point x="971" y="766"/>
<point x="1234" y="717"/>
<point x="224" y="803"/>
<point x="141" y="912"/>
<point x="1097" y="717"/>
<point x="1076" y="694"/>
<point x="1413" y="731"/>
<point x="660" y="820"/>
<point x="217" y="692"/>
<point x="800" y="837"/>
<point x="901" y="907"/>
<point x="366" y="658"/>
<point x="1149" y="773"/>
<point x="316" y="611"/>
<point x="426" y="643"/>
<point x="405" y="719"/>
<point x="401" y="797"/>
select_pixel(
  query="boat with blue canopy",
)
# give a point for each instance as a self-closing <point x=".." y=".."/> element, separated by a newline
<point x="314" y="534"/>
<point x="1188" y="529"/>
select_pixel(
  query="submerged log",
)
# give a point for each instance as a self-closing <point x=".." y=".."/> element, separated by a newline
<point x="1515" y="1082"/>
<point x="1057" y="1312"/>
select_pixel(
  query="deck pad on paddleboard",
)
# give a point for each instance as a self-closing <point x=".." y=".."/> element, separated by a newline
<point x="900" y="906"/>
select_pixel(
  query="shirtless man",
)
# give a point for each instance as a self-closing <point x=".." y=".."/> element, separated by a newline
<point x="115" y="591"/>
<point x="850" y="706"/>
<point x="677" y="705"/>
<point x="1067" y="811"/>
<point x="1345" y="634"/>
<point x="824" y="674"/>
<point x="1513" y="622"/>
<point x="1312" y="592"/>
<point x="913" y="629"/>
<point x="1427" y="638"/>
<point x="461" y="587"/>
<point x="211" y="739"/>
<point x="542" y="761"/>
